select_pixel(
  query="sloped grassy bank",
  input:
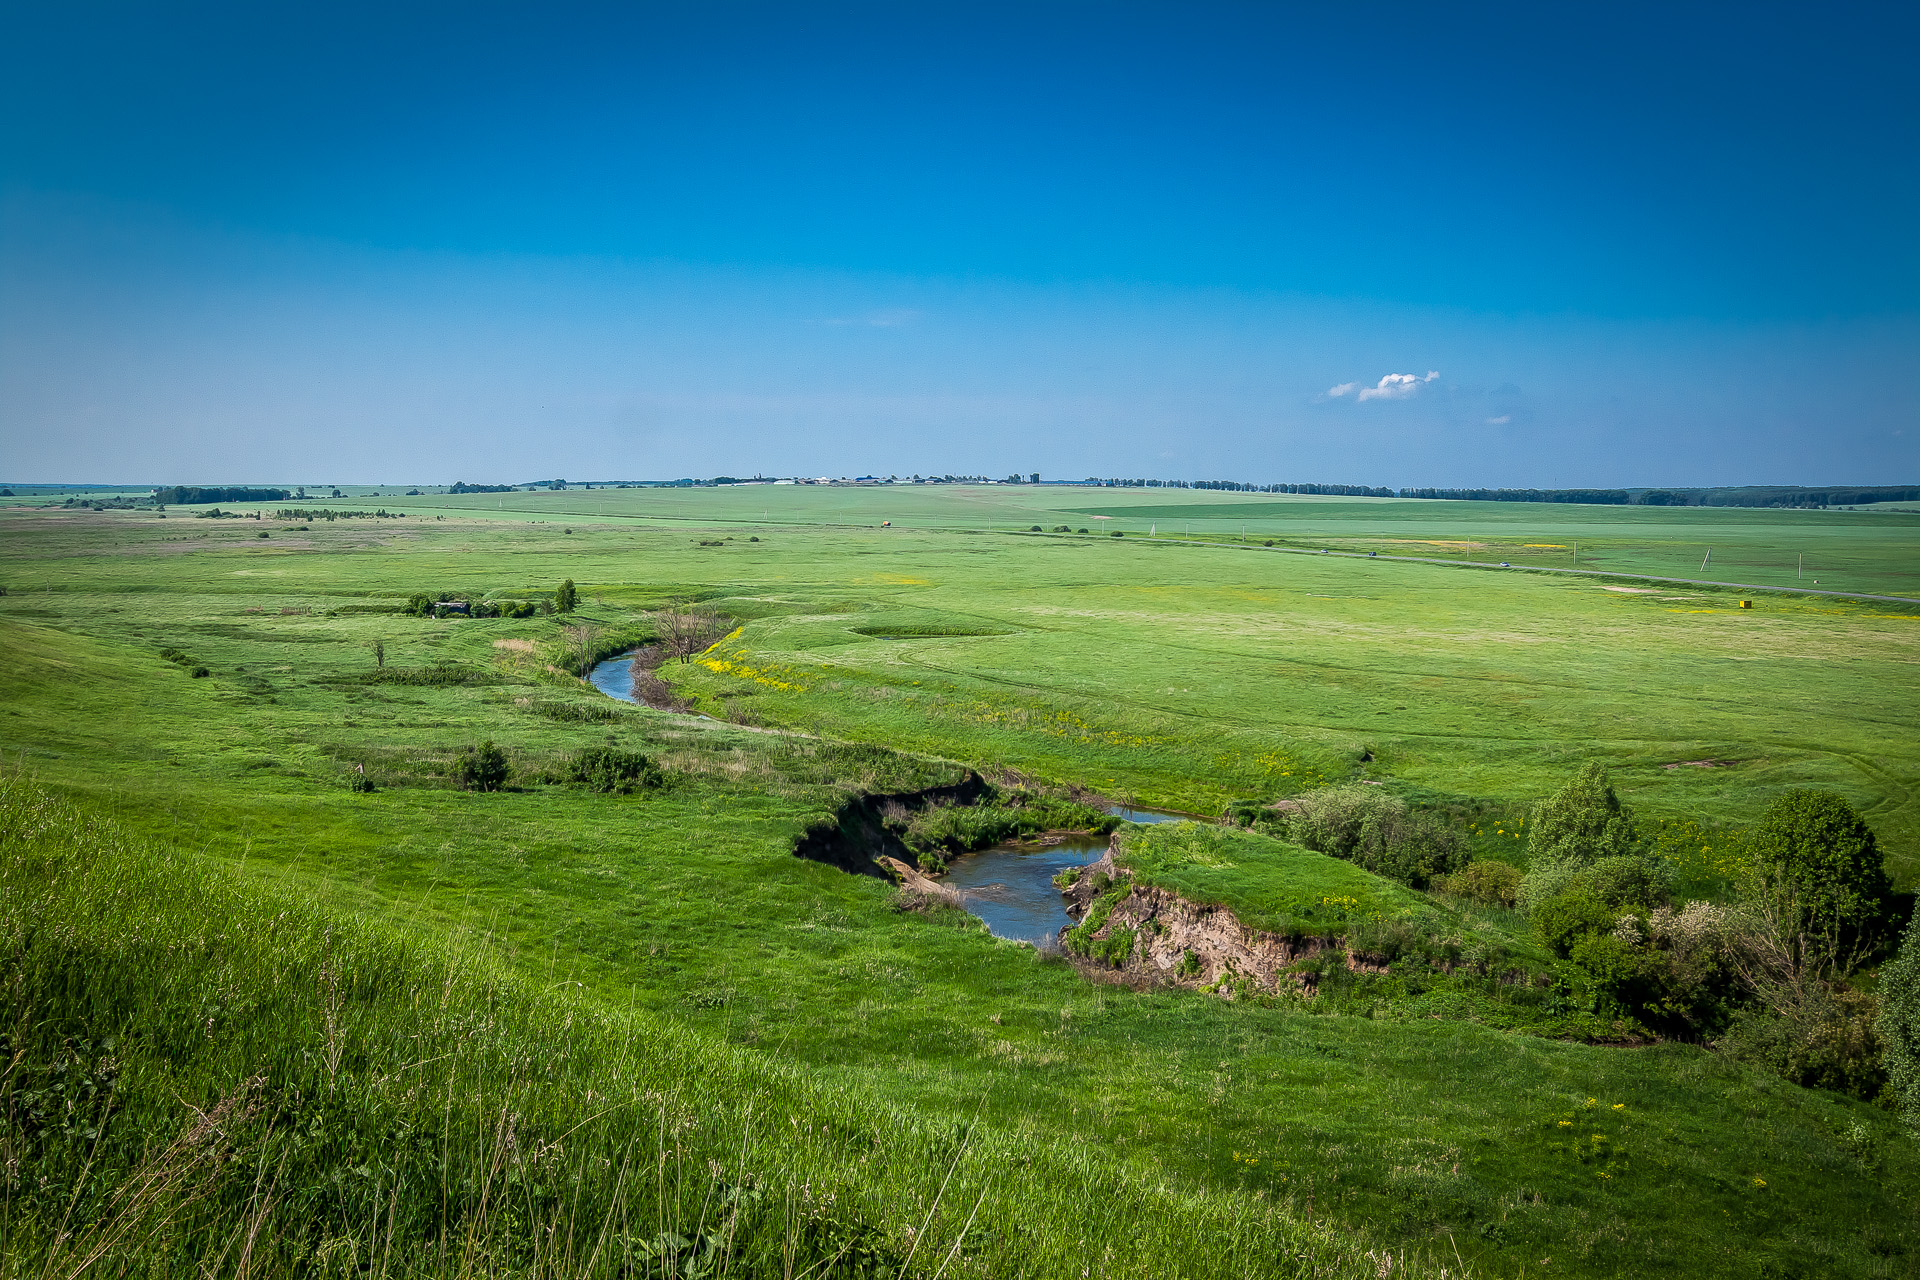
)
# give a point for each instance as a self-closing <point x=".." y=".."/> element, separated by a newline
<point x="199" y="1078"/>
<point x="1248" y="916"/>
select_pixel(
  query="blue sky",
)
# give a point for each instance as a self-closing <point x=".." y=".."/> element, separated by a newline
<point x="1638" y="245"/>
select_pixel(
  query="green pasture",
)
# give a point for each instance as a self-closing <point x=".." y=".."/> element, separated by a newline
<point x="1183" y="675"/>
<point x="1868" y="551"/>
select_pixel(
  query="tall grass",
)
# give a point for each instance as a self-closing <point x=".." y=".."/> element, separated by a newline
<point x="204" y="1079"/>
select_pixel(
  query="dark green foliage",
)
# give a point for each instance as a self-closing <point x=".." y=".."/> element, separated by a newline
<point x="1827" y="1039"/>
<point x="566" y="596"/>
<point x="481" y="768"/>
<point x="200" y="672"/>
<point x="1565" y="920"/>
<point x="358" y="781"/>
<point x="1118" y="534"/>
<point x="609" y="770"/>
<point x="1035" y="529"/>
<point x="1899" y="1024"/>
<point x="193" y="495"/>
<point x="1816" y="871"/>
<point x="1060" y="528"/>
<point x="419" y="606"/>
<point x="1247" y="813"/>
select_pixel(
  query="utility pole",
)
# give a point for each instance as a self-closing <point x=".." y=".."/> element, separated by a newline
<point x="1800" y="569"/>
<point x="1706" y="560"/>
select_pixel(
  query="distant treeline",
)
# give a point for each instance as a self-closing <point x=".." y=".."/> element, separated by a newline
<point x="191" y="495"/>
<point x="1604" y="497"/>
<point x="1777" y="496"/>
<point x="1741" y="496"/>
<point x="461" y="486"/>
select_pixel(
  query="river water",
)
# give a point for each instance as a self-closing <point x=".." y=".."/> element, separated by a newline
<point x="1009" y="888"/>
<point x="614" y="677"/>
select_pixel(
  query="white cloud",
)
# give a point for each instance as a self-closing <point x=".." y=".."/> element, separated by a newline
<point x="1342" y="389"/>
<point x="1396" y="386"/>
<point x="1500" y="421"/>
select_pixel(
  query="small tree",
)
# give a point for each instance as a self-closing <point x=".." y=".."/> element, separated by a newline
<point x="380" y="653"/>
<point x="1582" y="822"/>
<point x="1899" y="1024"/>
<point x="481" y="768"/>
<point x="580" y="639"/>
<point x="566" y="597"/>
<point x="684" y="633"/>
<point x="1816" y="880"/>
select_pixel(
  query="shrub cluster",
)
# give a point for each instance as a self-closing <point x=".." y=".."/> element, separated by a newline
<point x="1766" y="976"/>
<point x="1365" y="825"/>
<point x="481" y="768"/>
<point x="425" y="605"/>
<point x="186" y="662"/>
<point x="608" y="770"/>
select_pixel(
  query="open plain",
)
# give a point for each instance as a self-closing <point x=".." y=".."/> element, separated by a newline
<point x="1221" y="648"/>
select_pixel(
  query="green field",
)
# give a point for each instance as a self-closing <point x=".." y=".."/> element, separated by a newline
<point x="1182" y="670"/>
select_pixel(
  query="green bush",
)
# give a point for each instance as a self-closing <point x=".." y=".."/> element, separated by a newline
<point x="1582" y="822"/>
<point x="1899" y="1024"/>
<point x="1372" y="829"/>
<point x="1565" y="920"/>
<point x="1827" y="1039"/>
<point x="566" y="596"/>
<point x="200" y="673"/>
<point x="1496" y="884"/>
<point x="481" y="768"/>
<point x="1631" y="881"/>
<point x="1815" y="870"/>
<point x="419" y="605"/>
<point x="610" y="771"/>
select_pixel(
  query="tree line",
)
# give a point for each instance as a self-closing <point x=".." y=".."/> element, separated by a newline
<point x="193" y="495"/>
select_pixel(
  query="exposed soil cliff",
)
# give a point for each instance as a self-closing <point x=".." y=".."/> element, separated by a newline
<point x="856" y="839"/>
<point x="1150" y="937"/>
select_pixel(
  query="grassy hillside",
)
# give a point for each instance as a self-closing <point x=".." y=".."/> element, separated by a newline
<point x="1180" y="674"/>
<point x="201" y="1077"/>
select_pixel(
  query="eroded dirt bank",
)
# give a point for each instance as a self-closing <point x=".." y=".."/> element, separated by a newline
<point x="856" y="839"/>
<point x="1150" y="937"/>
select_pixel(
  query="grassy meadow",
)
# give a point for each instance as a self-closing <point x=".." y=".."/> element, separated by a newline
<point x="1182" y="671"/>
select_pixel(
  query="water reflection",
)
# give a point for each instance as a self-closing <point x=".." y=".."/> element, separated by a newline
<point x="614" y="677"/>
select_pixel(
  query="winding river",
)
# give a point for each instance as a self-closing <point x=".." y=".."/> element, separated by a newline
<point x="1009" y="887"/>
